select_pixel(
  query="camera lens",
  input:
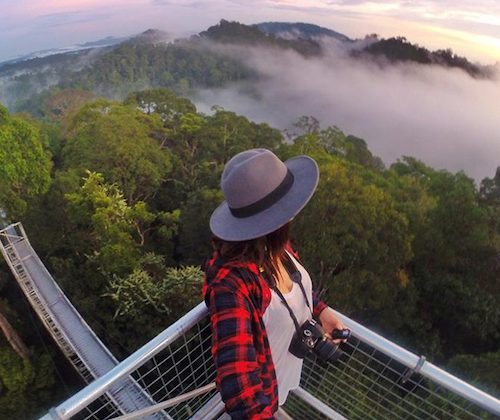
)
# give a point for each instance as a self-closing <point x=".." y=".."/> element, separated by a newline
<point x="327" y="351"/>
<point x="341" y="334"/>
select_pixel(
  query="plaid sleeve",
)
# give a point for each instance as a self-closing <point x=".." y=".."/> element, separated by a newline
<point x="233" y="349"/>
<point x="318" y="305"/>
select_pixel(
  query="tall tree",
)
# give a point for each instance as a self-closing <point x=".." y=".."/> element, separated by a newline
<point x="118" y="141"/>
<point x="355" y="240"/>
<point x="26" y="164"/>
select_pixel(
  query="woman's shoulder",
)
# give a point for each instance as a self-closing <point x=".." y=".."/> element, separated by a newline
<point x="239" y="278"/>
<point x="292" y="250"/>
<point x="230" y="274"/>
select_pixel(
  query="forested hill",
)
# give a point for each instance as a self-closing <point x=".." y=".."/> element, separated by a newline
<point x="399" y="49"/>
<point x="237" y="33"/>
<point x="152" y="59"/>
<point x="301" y="30"/>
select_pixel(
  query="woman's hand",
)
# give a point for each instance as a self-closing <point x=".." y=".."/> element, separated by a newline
<point x="331" y="322"/>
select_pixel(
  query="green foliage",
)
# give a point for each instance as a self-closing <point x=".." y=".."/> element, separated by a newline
<point x="152" y="297"/>
<point x="26" y="164"/>
<point x="136" y="66"/>
<point x="118" y="141"/>
<point x="161" y="101"/>
<point x="195" y="236"/>
<point x="115" y="72"/>
<point x="308" y="137"/>
<point x="483" y="371"/>
<point x="103" y="210"/>
<point x="490" y="188"/>
<point x="184" y="65"/>
<point x="116" y="230"/>
<point x="64" y="103"/>
<point x="24" y="384"/>
<point x="201" y="145"/>
<point x="15" y="377"/>
<point x="360" y="248"/>
<point x="178" y="289"/>
<point x="399" y="49"/>
<point x="14" y="371"/>
<point x="455" y="261"/>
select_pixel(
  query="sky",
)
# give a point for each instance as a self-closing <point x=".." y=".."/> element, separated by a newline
<point x="469" y="27"/>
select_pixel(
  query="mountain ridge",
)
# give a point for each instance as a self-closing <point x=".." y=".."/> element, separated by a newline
<point x="309" y="31"/>
<point x="99" y="43"/>
<point x="153" y="58"/>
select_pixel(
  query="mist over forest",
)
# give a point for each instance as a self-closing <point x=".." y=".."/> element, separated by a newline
<point x="446" y="116"/>
<point x="440" y="115"/>
<point x="113" y="157"/>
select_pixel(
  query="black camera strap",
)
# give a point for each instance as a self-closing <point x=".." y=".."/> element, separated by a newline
<point x="290" y="311"/>
<point x="296" y="277"/>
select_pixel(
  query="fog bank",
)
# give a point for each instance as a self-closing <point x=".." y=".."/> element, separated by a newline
<point x="441" y="116"/>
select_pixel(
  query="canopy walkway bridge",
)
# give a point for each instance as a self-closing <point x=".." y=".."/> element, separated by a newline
<point x="172" y="375"/>
<point x="75" y="338"/>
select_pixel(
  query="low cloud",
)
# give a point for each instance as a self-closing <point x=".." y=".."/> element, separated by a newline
<point x="441" y="116"/>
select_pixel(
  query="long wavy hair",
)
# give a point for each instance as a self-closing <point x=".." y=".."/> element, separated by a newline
<point x="265" y="251"/>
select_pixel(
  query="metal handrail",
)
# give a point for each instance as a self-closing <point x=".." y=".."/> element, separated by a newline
<point x="139" y="414"/>
<point x="94" y="390"/>
<point x="181" y="326"/>
<point x="421" y="366"/>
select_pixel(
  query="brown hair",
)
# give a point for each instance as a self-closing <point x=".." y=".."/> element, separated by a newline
<point x="265" y="251"/>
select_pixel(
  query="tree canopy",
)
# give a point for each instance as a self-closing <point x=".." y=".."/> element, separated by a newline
<point x="119" y="213"/>
<point x="26" y="163"/>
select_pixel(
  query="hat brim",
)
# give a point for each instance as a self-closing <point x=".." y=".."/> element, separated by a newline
<point x="230" y="228"/>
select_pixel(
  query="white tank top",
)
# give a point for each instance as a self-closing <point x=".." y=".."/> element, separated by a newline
<point x="280" y="330"/>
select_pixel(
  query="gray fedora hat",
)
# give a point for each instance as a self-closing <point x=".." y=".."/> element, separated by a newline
<point x="262" y="193"/>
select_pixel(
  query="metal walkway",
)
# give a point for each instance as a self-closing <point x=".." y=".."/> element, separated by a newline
<point x="75" y="338"/>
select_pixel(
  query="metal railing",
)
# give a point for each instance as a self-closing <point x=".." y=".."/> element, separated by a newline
<point x="373" y="379"/>
<point x="176" y="361"/>
<point x="377" y="379"/>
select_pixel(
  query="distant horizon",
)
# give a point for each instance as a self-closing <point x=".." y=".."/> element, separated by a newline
<point x="469" y="28"/>
<point x="122" y="38"/>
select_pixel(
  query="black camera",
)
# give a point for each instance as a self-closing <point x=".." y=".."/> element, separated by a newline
<point x="311" y="338"/>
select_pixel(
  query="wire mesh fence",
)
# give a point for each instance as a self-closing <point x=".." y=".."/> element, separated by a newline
<point x="297" y="408"/>
<point x="183" y="366"/>
<point x="101" y="409"/>
<point x="366" y="383"/>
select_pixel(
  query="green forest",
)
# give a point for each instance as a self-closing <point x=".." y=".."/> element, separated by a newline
<point x="116" y="197"/>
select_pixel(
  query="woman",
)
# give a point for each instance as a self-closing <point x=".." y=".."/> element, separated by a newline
<point x="255" y="285"/>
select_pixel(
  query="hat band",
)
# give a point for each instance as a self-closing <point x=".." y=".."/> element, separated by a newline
<point x="267" y="201"/>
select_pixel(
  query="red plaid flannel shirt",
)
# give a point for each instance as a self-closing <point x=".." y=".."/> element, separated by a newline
<point x="237" y="296"/>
